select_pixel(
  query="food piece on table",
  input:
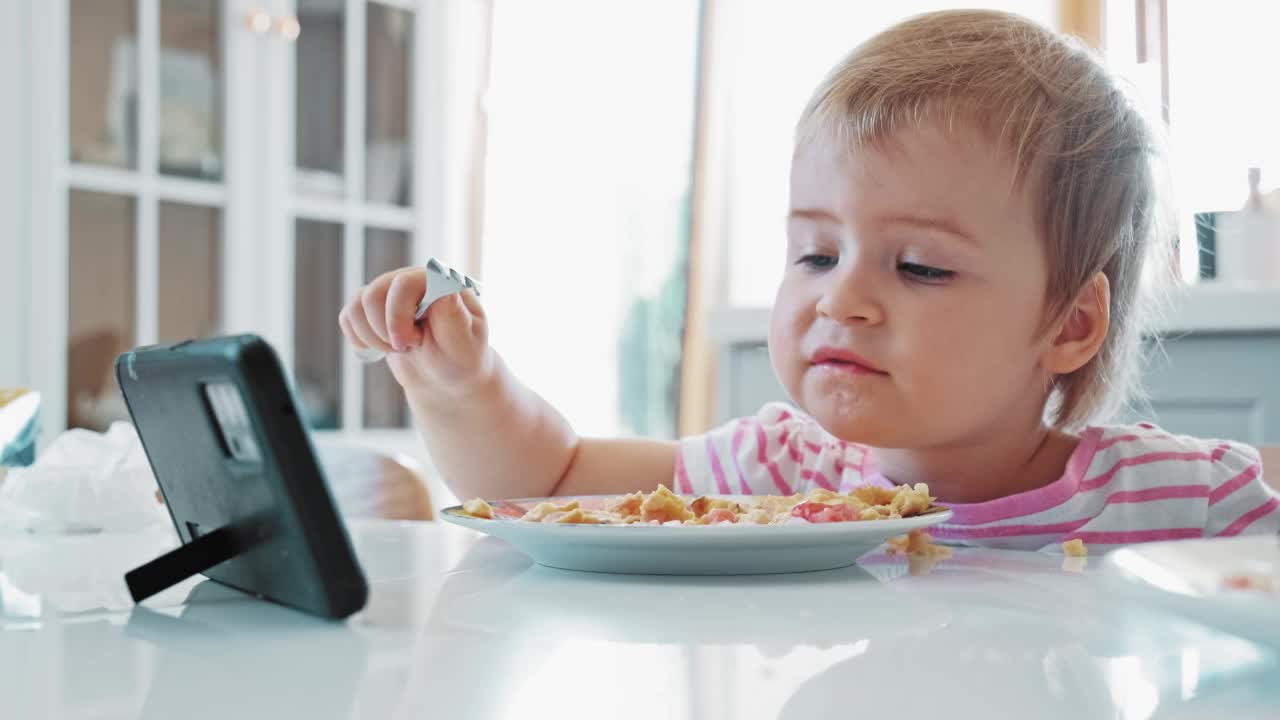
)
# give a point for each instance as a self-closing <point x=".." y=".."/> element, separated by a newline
<point x="663" y="506"/>
<point x="1074" y="564"/>
<point x="898" y="544"/>
<point x="918" y="543"/>
<point x="920" y="565"/>
<point x="539" y="512"/>
<point x="1253" y="581"/>
<point x="1075" y="548"/>
<point x="478" y="508"/>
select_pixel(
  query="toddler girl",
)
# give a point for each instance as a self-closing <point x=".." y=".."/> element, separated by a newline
<point x="972" y="209"/>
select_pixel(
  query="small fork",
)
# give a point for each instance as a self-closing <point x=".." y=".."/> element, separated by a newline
<point x="442" y="281"/>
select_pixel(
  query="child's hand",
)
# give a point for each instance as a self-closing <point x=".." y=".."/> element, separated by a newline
<point x="446" y="355"/>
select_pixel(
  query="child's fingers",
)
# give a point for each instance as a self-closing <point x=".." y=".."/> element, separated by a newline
<point x="348" y="331"/>
<point x="479" y="322"/>
<point x="363" y="330"/>
<point x="373" y="297"/>
<point x="407" y="289"/>
<point x="450" y="324"/>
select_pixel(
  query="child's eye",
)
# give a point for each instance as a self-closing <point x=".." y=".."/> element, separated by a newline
<point x="818" y="262"/>
<point x="924" y="273"/>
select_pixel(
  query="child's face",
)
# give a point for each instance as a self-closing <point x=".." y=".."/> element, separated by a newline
<point x="923" y="260"/>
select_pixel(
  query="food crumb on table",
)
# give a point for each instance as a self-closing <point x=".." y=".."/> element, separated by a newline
<point x="1075" y="564"/>
<point x="1254" y="582"/>
<point x="1075" y="548"/>
<point x="917" y="543"/>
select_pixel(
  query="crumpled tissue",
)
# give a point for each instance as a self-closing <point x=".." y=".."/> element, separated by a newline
<point x="83" y="482"/>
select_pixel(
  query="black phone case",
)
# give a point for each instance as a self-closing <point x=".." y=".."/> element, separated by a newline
<point x="293" y="548"/>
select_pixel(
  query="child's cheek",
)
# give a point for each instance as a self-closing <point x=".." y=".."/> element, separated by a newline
<point x="786" y="334"/>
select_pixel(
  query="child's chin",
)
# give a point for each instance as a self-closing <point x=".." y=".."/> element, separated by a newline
<point x="854" y="423"/>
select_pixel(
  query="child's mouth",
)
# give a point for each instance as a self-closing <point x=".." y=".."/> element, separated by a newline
<point x="843" y="361"/>
<point x="845" y="366"/>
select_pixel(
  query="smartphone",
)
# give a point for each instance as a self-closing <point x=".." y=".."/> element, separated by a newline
<point x="232" y="454"/>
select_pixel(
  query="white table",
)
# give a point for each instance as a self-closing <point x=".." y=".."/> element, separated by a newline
<point x="463" y="627"/>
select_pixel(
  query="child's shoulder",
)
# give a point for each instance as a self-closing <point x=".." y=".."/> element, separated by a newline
<point x="1144" y="449"/>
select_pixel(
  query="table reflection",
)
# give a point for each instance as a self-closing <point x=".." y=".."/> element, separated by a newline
<point x="217" y="660"/>
<point x="1003" y="632"/>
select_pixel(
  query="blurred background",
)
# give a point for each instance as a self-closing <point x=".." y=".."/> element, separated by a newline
<point x="614" y="171"/>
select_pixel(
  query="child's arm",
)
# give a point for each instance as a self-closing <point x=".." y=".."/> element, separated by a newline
<point x="1240" y="502"/>
<point x="488" y="434"/>
<point x="506" y="441"/>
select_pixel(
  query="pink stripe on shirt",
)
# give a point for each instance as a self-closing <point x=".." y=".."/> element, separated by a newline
<point x="818" y="479"/>
<point x="951" y="532"/>
<point x="682" y="476"/>
<point x="716" y="471"/>
<point x="1136" y="536"/>
<point x="1166" y="492"/>
<point x="794" y="452"/>
<point x="1034" y="501"/>
<point x="771" y="466"/>
<point x="736" y="446"/>
<point x="1247" y="519"/>
<point x="1155" y="457"/>
<point x="1131" y="437"/>
<point x="1221" y="492"/>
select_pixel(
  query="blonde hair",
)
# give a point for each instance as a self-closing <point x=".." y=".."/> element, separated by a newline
<point x="1070" y="130"/>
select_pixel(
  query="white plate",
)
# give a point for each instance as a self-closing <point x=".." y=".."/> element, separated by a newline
<point x="691" y="550"/>
<point x="1190" y="577"/>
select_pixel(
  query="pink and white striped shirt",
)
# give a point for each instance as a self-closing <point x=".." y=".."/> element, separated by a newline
<point x="1122" y="484"/>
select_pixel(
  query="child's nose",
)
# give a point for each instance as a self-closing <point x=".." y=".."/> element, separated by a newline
<point x="850" y="297"/>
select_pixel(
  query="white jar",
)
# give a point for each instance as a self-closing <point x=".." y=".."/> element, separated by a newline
<point x="1248" y="249"/>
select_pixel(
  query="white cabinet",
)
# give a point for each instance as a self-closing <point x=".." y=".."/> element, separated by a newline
<point x="1220" y="385"/>
<point x="203" y="167"/>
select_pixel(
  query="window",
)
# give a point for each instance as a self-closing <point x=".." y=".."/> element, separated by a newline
<point x="1224" y="110"/>
<point x="586" y="204"/>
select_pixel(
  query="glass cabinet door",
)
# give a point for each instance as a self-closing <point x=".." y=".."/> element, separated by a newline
<point x="231" y="166"/>
<point x="352" y="202"/>
<point x="102" y="83"/>
<point x="144" y="197"/>
<point x="189" y="93"/>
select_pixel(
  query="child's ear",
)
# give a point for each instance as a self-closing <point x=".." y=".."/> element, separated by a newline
<point x="1081" y="330"/>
